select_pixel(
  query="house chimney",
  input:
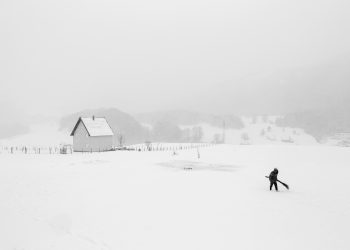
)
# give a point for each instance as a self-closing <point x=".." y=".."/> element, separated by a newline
<point x="93" y="118"/>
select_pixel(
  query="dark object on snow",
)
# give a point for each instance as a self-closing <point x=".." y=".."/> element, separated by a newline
<point x="273" y="184"/>
<point x="284" y="184"/>
<point x="273" y="175"/>
<point x="273" y="180"/>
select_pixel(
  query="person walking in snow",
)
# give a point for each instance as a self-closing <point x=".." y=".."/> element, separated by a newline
<point x="273" y="179"/>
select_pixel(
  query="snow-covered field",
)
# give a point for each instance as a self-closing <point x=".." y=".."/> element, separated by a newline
<point x="153" y="200"/>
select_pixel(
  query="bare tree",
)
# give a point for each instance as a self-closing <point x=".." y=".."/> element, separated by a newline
<point x="245" y="138"/>
<point x="217" y="138"/>
<point x="148" y="145"/>
<point x="121" y="140"/>
<point x="197" y="134"/>
<point x="262" y="133"/>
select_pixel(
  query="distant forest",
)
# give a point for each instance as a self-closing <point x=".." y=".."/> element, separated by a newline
<point x="181" y="117"/>
<point x="321" y="123"/>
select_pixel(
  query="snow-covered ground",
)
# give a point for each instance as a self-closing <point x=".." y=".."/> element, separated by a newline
<point x="153" y="200"/>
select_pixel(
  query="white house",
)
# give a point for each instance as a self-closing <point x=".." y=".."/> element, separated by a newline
<point x="92" y="134"/>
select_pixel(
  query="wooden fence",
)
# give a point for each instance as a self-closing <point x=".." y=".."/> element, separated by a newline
<point x="173" y="147"/>
<point x="168" y="146"/>
<point x="35" y="150"/>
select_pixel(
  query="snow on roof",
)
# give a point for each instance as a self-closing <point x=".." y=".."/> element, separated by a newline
<point x="96" y="126"/>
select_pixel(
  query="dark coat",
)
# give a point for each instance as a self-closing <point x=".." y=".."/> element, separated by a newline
<point x="273" y="176"/>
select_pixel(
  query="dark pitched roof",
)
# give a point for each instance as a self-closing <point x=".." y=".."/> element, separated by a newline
<point x="95" y="126"/>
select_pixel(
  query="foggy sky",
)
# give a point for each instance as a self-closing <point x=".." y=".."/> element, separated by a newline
<point x="211" y="56"/>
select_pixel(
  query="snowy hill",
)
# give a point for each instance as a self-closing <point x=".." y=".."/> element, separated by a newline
<point x="261" y="129"/>
<point x="257" y="130"/>
<point x="152" y="200"/>
<point x="45" y="134"/>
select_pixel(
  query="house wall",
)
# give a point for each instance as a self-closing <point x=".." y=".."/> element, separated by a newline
<point x="82" y="142"/>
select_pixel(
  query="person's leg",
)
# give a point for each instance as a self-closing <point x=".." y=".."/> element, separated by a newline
<point x="271" y="183"/>
<point x="276" y="186"/>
